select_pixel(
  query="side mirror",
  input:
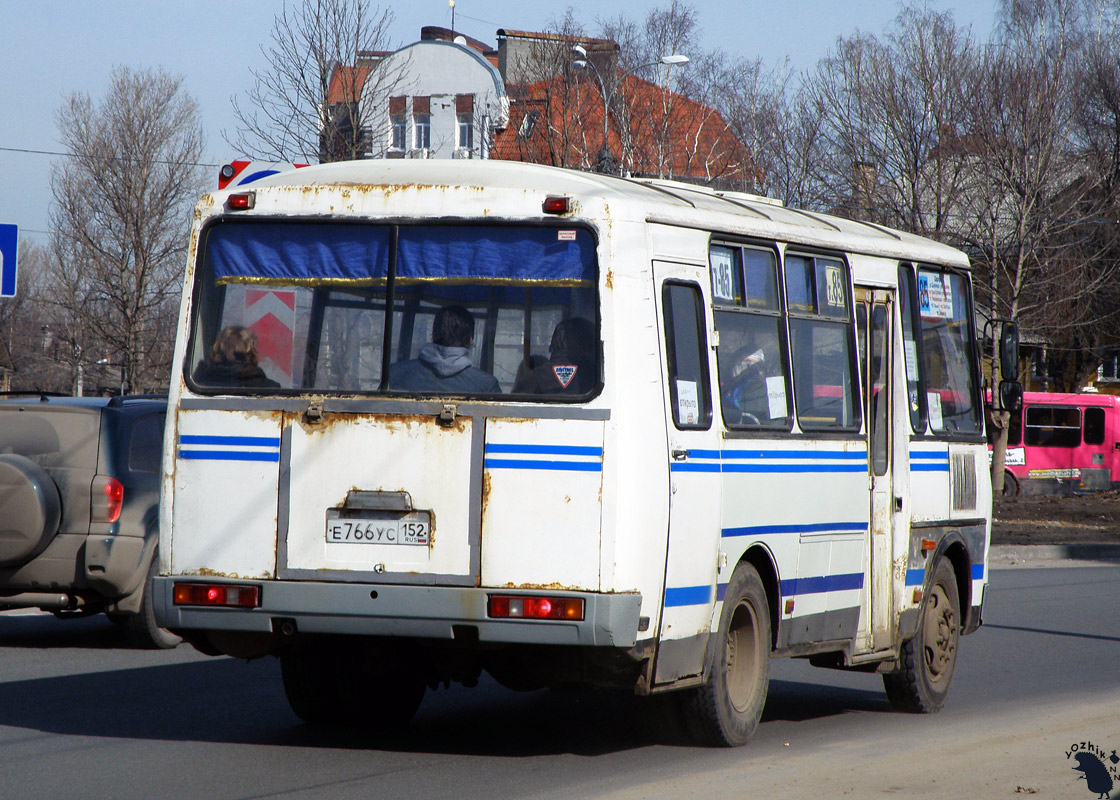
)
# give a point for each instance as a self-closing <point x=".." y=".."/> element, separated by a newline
<point x="1010" y="395"/>
<point x="1009" y="354"/>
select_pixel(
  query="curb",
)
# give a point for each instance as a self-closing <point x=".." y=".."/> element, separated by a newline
<point x="1020" y="554"/>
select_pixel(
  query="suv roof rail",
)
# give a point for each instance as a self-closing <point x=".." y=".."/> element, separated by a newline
<point x="121" y="399"/>
<point x="33" y="393"/>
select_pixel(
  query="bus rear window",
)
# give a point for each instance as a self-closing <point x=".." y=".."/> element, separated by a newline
<point x="476" y="310"/>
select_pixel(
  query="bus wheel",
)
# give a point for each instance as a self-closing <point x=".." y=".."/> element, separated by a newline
<point x="725" y="709"/>
<point x="1010" y="485"/>
<point x="341" y="685"/>
<point x="926" y="662"/>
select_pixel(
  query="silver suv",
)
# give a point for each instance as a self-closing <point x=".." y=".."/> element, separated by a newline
<point x="79" y="507"/>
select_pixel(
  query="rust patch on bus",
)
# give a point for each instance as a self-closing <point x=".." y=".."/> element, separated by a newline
<point x="548" y="587"/>
<point x="399" y="423"/>
<point x="485" y="492"/>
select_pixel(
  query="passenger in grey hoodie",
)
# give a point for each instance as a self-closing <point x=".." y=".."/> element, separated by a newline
<point x="444" y="365"/>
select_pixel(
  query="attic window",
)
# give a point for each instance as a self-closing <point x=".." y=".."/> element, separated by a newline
<point x="528" y="124"/>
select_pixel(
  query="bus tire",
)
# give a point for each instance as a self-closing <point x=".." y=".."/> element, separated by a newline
<point x="927" y="661"/>
<point x="1010" y="485"/>
<point x="725" y="710"/>
<point x="330" y="684"/>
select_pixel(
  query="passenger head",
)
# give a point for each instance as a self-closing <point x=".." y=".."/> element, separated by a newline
<point x="235" y="345"/>
<point x="453" y="327"/>
<point x="574" y="339"/>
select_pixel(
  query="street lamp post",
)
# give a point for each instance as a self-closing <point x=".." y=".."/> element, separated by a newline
<point x="104" y="362"/>
<point x="606" y="159"/>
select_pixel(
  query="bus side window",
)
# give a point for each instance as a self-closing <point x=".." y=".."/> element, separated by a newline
<point x="822" y="344"/>
<point x="686" y="351"/>
<point x="915" y="397"/>
<point x="1052" y="426"/>
<point x="1094" y="425"/>
<point x="751" y="356"/>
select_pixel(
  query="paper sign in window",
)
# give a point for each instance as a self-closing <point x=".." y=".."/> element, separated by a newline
<point x="936" y="421"/>
<point x="776" y="396"/>
<point x="935" y="296"/>
<point x="723" y="280"/>
<point x="688" y="403"/>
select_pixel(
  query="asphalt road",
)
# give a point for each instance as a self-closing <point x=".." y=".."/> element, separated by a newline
<point x="84" y="715"/>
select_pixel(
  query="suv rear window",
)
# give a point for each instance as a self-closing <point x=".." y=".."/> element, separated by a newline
<point x="60" y="437"/>
<point x="145" y="445"/>
<point x="423" y="309"/>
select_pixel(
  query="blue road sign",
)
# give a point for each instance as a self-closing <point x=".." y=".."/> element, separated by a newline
<point x="9" y="247"/>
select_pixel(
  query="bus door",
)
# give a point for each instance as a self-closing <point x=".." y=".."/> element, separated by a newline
<point x="874" y="315"/>
<point x="694" y="471"/>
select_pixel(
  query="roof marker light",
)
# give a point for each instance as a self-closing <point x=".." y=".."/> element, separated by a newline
<point x="556" y="205"/>
<point x="242" y="201"/>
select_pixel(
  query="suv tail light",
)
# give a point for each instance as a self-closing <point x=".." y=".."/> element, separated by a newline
<point x="108" y="497"/>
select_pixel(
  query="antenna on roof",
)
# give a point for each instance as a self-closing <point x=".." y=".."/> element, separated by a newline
<point x="451" y="5"/>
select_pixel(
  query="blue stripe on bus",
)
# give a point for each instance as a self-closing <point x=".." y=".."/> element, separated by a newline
<point x="930" y="454"/>
<point x="824" y="583"/>
<point x="781" y="468"/>
<point x="815" y="527"/>
<point x="545" y="449"/>
<point x="930" y="467"/>
<point x="917" y="577"/>
<point x="231" y="441"/>
<point x="230" y="455"/>
<point x="801" y="454"/>
<point x="805" y="586"/>
<point x="567" y="466"/>
<point x="677" y="596"/>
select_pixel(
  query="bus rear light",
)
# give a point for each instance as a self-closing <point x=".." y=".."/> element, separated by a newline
<point x="928" y="544"/>
<point x="217" y="594"/>
<point x="107" y="500"/>
<point x="242" y="201"/>
<point x="524" y="607"/>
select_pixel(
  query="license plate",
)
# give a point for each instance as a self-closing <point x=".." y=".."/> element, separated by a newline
<point x="410" y="529"/>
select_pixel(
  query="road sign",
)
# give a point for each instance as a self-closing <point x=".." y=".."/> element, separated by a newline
<point x="9" y="246"/>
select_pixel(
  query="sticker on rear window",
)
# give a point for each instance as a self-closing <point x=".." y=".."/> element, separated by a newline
<point x="565" y="236"/>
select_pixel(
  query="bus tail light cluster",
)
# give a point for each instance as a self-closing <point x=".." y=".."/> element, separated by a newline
<point x="526" y="607"/>
<point x="217" y="594"/>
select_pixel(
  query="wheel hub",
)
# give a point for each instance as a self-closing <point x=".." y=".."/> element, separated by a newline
<point x="940" y="635"/>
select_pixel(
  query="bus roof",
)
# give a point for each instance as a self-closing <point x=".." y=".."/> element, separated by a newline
<point x="1070" y="399"/>
<point x="653" y="200"/>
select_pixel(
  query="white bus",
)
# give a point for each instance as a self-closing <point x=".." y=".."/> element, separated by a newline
<point x="429" y="419"/>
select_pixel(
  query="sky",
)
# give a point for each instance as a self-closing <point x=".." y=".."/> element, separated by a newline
<point x="52" y="48"/>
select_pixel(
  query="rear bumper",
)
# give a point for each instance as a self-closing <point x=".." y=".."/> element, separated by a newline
<point x="421" y="612"/>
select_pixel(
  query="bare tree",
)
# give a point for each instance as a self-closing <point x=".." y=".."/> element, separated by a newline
<point x="24" y="322"/>
<point x="306" y="104"/>
<point x="556" y="109"/>
<point x="889" y="110"/>
<point x="120" y="221"/>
